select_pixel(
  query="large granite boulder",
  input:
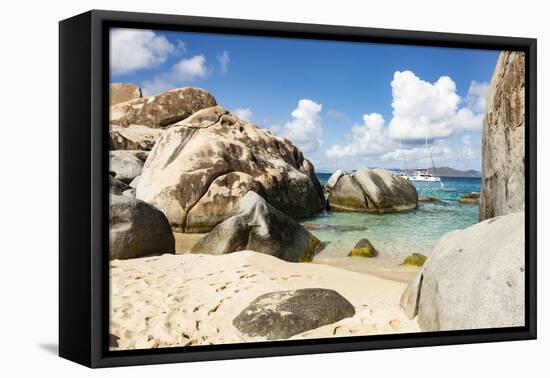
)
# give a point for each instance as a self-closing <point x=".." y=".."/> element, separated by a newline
<point x="218" y="202"/>
<point x="474" y="278"/>
<point x="282" y="314"/>
<point x="133" y="137"/>
<point x="333" y="179"/>
<point x="161" y="110"/>
<point x="137" y="229"/>
<point x="126" y="165"/>
<point x="200" y="167"/>
<point x="122" y="92"/>
<point x="503" y="139"/>
<point x="255" y="225"/>
<point x="373" y="190"/>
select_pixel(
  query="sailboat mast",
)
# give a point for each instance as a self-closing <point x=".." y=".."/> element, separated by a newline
<point x="431" y="157"/>
<point x="403" y="157"/>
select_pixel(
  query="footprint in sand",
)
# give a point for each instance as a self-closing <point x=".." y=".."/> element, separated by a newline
<point x="395" y="324"/>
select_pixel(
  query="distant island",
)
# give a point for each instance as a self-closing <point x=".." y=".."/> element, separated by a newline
<point x="450" y="172"/>
<point x="441" y="172"/>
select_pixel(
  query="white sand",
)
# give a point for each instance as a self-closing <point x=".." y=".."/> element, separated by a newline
<point x="183" y="300"/>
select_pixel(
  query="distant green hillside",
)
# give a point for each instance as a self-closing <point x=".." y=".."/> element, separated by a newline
<point x="451" y="172"/>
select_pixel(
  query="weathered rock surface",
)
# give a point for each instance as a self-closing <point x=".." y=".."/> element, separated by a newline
<point x="474" y="278"/>
<point x="347" y="195"/>
<point x="133" y="137"/>
<point x="214" y="207"/>
<point x="333" y="179"/>
<point x="363" y="248"/>
<point x="162" y="110"/>
<point x="282" y="314"/>
<point x="373" y="190"/>
<point x="126" y="165"/>
<point x="117" y="186"/>
<point x="201" y="166"/>
<point x="130" y="193"/>
<point x="469" y="198"/>
<point x="503" y="139"/>
<point x="137" y="229"/>
<point x="255" y="225"/>
<point x="122" y="92"/>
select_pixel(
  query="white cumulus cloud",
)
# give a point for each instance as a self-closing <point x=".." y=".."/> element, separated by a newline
<point x="183" y="72"/>
<point x="421" y="109"/>
<point x="244" y="113"/>
<point x="476" y="99"/>
<point x="368" y="139"/>
<point x="305" y="128"/>
<point x="136" y="49"/>
<point x="223" y="60"/>
<point x="433" y="110"/>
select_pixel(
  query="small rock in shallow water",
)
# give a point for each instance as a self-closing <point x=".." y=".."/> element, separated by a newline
<point x="429" y="199"/>
<point x="363" y="248"/>
<point x="414" y="259"/>
<point x="334" y="227"/>
<point x="470" y="198"/>
<point x="282" y="314"/>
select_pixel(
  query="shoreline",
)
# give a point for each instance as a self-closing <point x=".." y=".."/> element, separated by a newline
<point x="384" y="267"/>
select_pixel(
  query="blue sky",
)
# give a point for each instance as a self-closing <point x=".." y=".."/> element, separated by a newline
<point x="345" y="104"/>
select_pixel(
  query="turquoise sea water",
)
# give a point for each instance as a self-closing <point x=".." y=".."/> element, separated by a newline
<point x="397" y="235"/>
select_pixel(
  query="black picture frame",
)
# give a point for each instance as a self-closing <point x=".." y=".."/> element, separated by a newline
<point x="83" y="182"/>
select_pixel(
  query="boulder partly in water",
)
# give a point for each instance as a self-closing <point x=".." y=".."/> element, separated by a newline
<point x="363" y="248"/>
<point x="255" y="225"/>
<point x="373" y="190"/>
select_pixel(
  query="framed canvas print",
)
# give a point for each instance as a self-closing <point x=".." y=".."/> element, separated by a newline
<point x="234" y="188"/>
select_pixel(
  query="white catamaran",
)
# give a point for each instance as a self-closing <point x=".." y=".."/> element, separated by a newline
<point x="424" y="174"/>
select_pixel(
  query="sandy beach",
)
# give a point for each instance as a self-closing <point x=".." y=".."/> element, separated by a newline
<point x="187" y="299"/>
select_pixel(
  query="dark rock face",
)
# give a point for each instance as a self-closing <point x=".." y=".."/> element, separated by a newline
<point x="137" y="229"/>
<point x="503" y="139"/>
<point x="117" y="186"/>
<point x="283" y="314"/>
<point x="162" y="110"/>
<point x="255" y="225"/>
<point x="202" y="166"/>
<point x="373" y="190"/>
